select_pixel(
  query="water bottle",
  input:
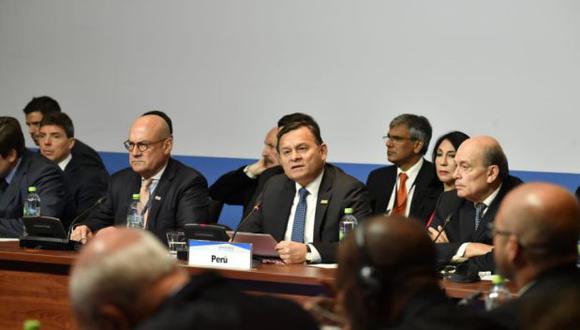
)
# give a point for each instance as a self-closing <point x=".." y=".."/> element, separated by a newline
<point x="498" y="295"/>
<point x="347" y="224"/>
<point x="32" y="203"/>
<point x="134" y="216"/>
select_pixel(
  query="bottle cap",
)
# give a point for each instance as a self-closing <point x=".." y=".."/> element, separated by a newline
<point x="136" y="197"/>
<point x="31" y="189"/>
<point x="31" y="325"/>
<point x="348" y="210"/>
<point x="497" y="279"/>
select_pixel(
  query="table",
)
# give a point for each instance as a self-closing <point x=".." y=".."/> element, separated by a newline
<point x="34" y="284"/>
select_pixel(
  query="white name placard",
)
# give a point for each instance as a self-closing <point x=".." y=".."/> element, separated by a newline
<point x="220" y="254"/>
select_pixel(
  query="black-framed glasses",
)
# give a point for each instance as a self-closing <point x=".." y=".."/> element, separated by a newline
<point x="493" y="230"/>
<point x="141" y="146"/>
<point x="397" y="138"/>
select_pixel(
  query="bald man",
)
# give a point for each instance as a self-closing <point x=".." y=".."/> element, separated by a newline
<point x="387" y="279"/>
<point x="124" y="279"/>
<point x="460" y="225"/>
<point x="535" y="239"/>
<point x="174" y="194"/>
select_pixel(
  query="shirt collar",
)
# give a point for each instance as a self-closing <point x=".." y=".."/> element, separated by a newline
<point x="412" y="172"/>
<point x="12" y="173"/>
<point x="158" y="175"/>
<point x="313" y="186"/>
<point x="65" y="162"/>
<point x="489" y="199"/>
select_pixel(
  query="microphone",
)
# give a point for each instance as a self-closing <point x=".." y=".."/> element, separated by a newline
<point x="83" y="213"/>
<point x="445" y="222"/>
<point x="257" y="207"/>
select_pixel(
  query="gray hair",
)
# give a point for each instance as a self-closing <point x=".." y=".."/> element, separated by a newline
<point x="119" y="278"/>
<point x="418" y="126"/>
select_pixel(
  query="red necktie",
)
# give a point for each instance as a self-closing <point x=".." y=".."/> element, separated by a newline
<point x="401" y="201"/>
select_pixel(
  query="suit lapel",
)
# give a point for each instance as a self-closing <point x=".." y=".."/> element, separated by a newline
<point x="160" y="193"/>
<point x="282" y="207"/>
<point x="323" y="200"/>
<point x="467" y="225"/>
<point x="418" y="196"/>
<point x="385" y="195"/>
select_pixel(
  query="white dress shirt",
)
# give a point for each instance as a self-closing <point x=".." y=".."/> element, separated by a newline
<point x="412" y="174"/>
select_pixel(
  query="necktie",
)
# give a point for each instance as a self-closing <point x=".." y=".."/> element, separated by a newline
<point x="300" y="217"/>
<point x="401" y="201"/>
<point x="479" y="208"/>
<point x="144" y="197"/>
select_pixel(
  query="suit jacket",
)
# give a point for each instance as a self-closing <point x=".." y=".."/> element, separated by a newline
<point x="86" y="155"/>
<point x="211" y="302"/>
<point x="461" y="225"/>
<point x="381" y="182"/>
<point x="545" y="288"/>
<point x="180" y="197"/>
<point x="236" y="188"/>
<point x="34" y="170"/>
<point x="338" y="188"/>
<point x="86" y="184"/>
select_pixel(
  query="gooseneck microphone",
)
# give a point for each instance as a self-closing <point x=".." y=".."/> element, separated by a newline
<point x="83" y="213"/>
<point x="257" y="207"/>
<point x="445" y="223"/>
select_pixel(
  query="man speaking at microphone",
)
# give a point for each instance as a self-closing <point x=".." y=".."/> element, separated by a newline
<point x="301" y="208"/>
<point x="460" y="225"/>
<point x="174" y="194"/>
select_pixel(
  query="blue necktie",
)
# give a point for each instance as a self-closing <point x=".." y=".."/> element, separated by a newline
<point x="300" y="217"/>
<point x="479" y="208"/>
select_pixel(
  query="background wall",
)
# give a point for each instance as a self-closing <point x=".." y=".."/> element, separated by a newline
<point x="226" y="70"/>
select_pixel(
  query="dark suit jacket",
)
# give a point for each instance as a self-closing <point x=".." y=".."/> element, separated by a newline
<point x="461" y="226"/>
<point x="86" y="184"/>
<point x="180" y="197"/>
<point x="34" y="170"/>
<point x="211" y="302"/>
<point x="86" y="155"/>
<point x="236" y="188"/>
<point x="381" y="182"/>
<point x="339" y="189"/>
<point x="546" y="287"/>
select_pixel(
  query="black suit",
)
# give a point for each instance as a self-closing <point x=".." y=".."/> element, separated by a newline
<point x="461" y="226"/>
<point x="236" y="188"/>
<point x="546" y="287"/>
<point x="86" y="155"/>
<point x="34" y="170"/>
<point x="337" y="191"/>
<point x="381" y="182"/>
<point x="86" y="184"/>
<point x="211" y="302"/>
<point x="180" y="197"/>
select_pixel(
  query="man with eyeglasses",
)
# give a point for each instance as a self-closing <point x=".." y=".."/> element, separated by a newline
<point x="460" y="223"/>
<point x="535" y="238"/>
<point x="173" y="193"/>
<point x="410" y="186"/>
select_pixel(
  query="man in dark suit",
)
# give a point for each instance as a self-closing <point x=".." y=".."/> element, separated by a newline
<point x="123" y="279"/>
<point x="56" y="139"/>
<point x="410" y="186"/>
<point x="172" y="194"/>
<point x="386" y="280"/>
<point x="244" y="185"/>
<point x="302" y="207"/>
<point x="460" y="224"/>
<point x="535" y="238"/>
<point x="20" y="169"/>
<point x="36" y="109"/>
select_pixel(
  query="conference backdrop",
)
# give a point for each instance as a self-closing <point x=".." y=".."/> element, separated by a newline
<point x="226" y="70"/>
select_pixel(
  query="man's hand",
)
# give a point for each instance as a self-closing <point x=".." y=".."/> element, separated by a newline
<point x="257" y="168"/>
<point x="477" y="249"/>
<point x="81" y="234"/>
<point x="292" y="252"/>
<point x="434" y="232"/>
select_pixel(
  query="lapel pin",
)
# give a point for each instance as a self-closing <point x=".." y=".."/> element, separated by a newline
<point x="324" y="201"/>
<point x="157" y="198"/>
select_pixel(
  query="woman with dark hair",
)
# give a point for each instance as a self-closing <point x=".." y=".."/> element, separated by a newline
<point x="444" y="159"/>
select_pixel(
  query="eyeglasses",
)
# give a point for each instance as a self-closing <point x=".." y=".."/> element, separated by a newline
<point x="141" y="146"/>
<point x="397" y="139"/>
<point x="493" y="231"/>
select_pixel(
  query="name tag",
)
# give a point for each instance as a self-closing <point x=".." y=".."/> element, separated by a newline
<point x="220" y="254"/>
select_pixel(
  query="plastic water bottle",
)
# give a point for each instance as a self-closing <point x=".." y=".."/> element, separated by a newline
<point x="32" y="203"/>
<point x="347" y="224"/>
<point x="498" y="295"/>
<point x="134" y="216"/>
